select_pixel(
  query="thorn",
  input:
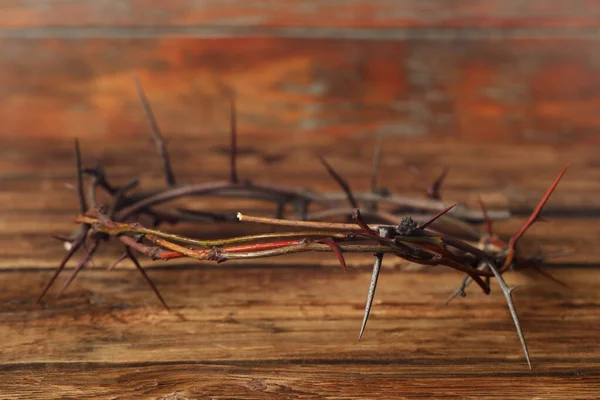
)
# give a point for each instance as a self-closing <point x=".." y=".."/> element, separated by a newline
<point x="436" y="216"/>
<point x="433" y="192"/>
<point x="81" y="265"/>
<point x="532" y="218"/>
<point x="80" y="194"/>
<point x="511" y="307"/>
<point x="343" y="184"/>
<point x="335" y="248"/>
<point x="118" y="261"/>
<point x="77" y="243"/>
<point x="486" y="219"/>
<point x="458" y="292"/>
<point x="155" y="133"/>
<point x="371" y="293"/>
<point x="133" y="258"/>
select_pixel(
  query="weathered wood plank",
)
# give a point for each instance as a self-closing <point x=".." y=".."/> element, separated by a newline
<point x="509" y="90"/>
<point x="278" y="313"/>
<point x="260" y="330"/>
<point x="301" y="13"/>
<point x="302" y="379"/>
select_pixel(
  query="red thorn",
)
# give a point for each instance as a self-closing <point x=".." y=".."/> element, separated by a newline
<point x="336" y="249"/>
<point x="436" y="216"/>
<point x="530" y="221"/>
<point x="486" y="219"/>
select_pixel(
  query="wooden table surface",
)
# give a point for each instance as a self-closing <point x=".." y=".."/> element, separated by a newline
<point x="287" y="327"/>
<point x="505" y="93"/>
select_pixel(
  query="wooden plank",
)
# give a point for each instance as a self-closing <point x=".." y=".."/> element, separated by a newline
<point x="508" y="91"/>
<point x="290" y="380"/>
<point x="301" y="13"/>
<point x="264" y="313"/>
<point x="259" y="330"/>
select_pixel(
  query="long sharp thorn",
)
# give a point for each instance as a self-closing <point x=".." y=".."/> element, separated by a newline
<point x="80" y="265"/>
<point x="511" y="307"/>
<point x="80" y="193"/>
<point x="486" y="219"/>
<point x="530" y="221"/>
<point x="371" y="294"/>
<point x="134" y="259"/>
<point x="155" y="133"/>
<point x="76" y="245"/>
<point x="233" y="151"/>
<point x="436" y="216"/>
<point x="343" y="184"/>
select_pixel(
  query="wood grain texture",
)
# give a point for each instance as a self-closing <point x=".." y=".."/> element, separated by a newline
<point x="291" y="331"/>
<point x="514" y="90"/>
<point x="503" y="93"/>
<point x="287" y="328"/>
<point x="301" y="13"/>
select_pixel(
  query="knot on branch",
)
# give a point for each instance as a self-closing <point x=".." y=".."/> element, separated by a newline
<point x="155" y="253"/>
<point x="216" y="254"/>
<point x="406" y="227"/>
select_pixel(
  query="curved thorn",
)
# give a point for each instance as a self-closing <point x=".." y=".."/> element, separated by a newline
<point x="335" y="248"/>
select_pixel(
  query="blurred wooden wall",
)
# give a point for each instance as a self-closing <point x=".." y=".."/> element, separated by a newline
<point x="511" y="70"/>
